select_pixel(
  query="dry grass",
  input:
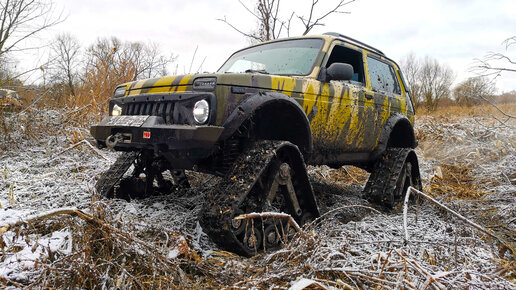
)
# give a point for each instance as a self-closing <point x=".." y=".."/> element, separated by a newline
<point x="455" y="181"/>
<point x="344" y="175"/>
<point x="469" y="111"/>
<point x="109" y="252"/>
<point x="114" y="251"/>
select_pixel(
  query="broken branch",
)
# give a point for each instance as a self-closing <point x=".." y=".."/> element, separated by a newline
<point x="279" y="215"/>
<point x="79" y="143"/>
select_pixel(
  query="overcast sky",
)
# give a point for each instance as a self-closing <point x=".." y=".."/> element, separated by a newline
<point x="453" y="31"/>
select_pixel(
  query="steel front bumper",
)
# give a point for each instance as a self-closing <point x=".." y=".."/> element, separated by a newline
<point x="151" y="132"/>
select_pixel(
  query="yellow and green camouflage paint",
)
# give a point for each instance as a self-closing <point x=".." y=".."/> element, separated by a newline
<point x="341" y="117"/>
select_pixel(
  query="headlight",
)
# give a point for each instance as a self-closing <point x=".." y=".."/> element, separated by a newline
<point x="119" y="92"/>
<point x="117" y="110"/>
<point x="204" y="84"/>
<point x="201" y="111"/>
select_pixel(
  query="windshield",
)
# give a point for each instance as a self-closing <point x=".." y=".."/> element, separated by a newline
<point x="289" y="57"/>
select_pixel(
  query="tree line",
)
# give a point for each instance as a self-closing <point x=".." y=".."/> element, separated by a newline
<point x="73" y="72"/>
<point x="98" y="68"/>
<point x="430" y="82"/>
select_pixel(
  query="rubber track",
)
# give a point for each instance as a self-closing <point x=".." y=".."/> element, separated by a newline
<point x="112" y="176"/>
<point x="231" y="193"/>
<point x="381" y="184"/>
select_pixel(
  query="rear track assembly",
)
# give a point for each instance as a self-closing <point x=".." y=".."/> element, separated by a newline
<point x="396" y="170"/>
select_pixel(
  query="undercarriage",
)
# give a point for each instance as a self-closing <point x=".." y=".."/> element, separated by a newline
<point x="267" y="176"/>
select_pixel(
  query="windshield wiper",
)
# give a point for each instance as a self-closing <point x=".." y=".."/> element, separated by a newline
<point x="260" y="71"/>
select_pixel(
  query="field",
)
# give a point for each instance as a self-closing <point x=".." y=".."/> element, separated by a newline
<point x="54" y="234"/>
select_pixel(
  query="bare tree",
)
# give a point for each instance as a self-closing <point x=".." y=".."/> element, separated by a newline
<point x="435" y="81"/>
<point x="429" y="81"/>
<point x="272" y="25"/>
<point x="147" y="59"/>
<point x="473" y="90"/>
<point x="105" y="68"/>
<point x="411" y="67"/>
<point x="5" y="70"/>
<point x="311" y="21"/>
<point x="22" y="19"/>
<point x="66" y="61"/>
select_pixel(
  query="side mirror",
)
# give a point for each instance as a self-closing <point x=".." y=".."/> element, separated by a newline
<point x="339" y="72"/>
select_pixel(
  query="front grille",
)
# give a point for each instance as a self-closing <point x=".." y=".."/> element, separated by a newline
<point x="175" y="109"/>
<point x="161" y="109"/>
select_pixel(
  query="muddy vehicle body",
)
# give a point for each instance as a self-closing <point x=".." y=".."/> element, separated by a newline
<point x="269" y="110"/>
<point x="9" y="100"/>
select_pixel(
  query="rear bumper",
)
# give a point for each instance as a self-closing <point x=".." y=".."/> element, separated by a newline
<point x="151" y="132"/>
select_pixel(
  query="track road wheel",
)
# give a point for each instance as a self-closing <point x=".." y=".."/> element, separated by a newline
<point x="392" y="174"/>
<point x="268" y="176"/>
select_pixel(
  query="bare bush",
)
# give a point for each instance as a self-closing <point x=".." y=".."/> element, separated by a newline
<point x="473" y="90"/>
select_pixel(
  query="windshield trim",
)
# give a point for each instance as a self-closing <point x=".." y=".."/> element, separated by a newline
<point x="314" y="65"/>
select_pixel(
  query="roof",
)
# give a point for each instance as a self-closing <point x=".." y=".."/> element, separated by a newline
<point x="354" y="41"/>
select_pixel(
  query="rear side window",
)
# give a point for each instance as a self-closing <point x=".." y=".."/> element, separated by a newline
<point x="382" y="76"/>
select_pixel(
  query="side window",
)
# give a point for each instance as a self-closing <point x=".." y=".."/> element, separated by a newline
<point x="350" y="56"/>
<point x="382" y="76"/>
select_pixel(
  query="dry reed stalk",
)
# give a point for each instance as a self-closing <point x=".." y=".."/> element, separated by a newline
<point x="454" y="213"/>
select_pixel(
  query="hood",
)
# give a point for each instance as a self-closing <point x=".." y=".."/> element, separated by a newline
<point x="183" y="83"/>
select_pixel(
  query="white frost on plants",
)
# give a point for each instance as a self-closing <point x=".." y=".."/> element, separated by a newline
<point x="20" y="264"/>
<point x="44" y="176"/>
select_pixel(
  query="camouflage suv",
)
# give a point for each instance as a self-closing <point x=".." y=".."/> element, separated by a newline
<point x="9" y="100"/>
<point x="268" y="110"/>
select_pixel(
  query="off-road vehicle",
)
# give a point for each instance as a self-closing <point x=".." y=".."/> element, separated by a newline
<point x="269" y="109"/>
<point x="9" y="100"/>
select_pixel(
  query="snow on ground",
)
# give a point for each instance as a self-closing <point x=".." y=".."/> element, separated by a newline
<point x="351" y="246"/>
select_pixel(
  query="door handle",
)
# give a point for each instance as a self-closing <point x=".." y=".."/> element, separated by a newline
<point x="369" y="96"/>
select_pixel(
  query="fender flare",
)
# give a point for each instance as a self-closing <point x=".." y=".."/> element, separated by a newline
<point x="253" y="104"/>
<point x="396" y="121"/>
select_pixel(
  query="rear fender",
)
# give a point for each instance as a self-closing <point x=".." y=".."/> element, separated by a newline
<point x="397" y="132"/>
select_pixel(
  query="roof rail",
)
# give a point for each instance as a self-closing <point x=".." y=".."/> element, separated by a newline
<point x="354" y="41"/>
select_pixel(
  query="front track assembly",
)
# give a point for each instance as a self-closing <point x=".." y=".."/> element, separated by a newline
<point x="269" y="176"/>
<point x="146" y="178"/>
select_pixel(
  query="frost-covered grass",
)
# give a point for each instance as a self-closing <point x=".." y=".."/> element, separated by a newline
<point x="157" y="242"/>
